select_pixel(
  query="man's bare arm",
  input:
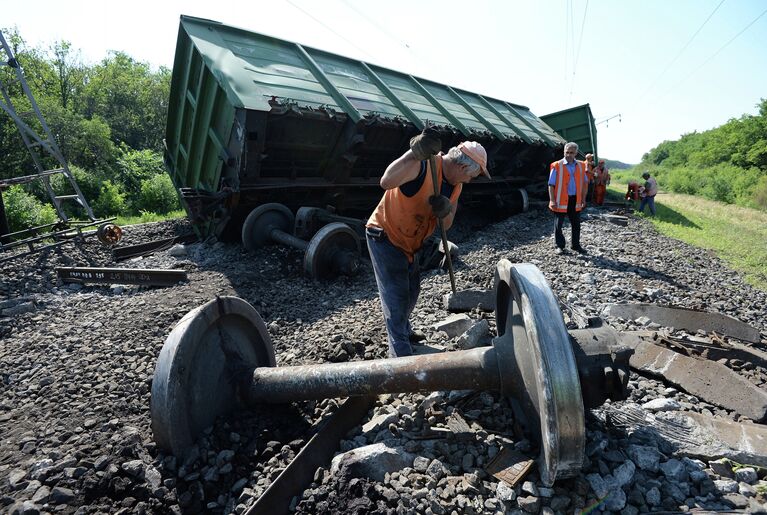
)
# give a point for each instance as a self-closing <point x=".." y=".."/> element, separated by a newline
<point x="551" y="196"/>
<point x="403" y="169"/>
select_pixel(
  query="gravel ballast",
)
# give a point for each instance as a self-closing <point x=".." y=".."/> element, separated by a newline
<point x="76" y="365"/>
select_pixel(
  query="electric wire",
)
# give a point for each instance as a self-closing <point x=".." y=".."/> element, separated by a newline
<point x="668" y="66"/>
<point x="567" y="36"/>
<point x="416" y="55"/>
<point x="712" y="55"/>
<point x="331" y="30"/>
<point x="578" y="52"/>
<point x="376" y="24"/>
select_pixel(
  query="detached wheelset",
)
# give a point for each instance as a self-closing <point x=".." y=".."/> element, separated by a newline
<point x="333" y="250"/>
<point x="220" y="357"/>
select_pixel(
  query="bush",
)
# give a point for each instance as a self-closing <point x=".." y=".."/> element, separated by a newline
<point x="683" y="180"/>
<point x="760" y="193"/>
<point x="158" y="195"/>
<point x="135" y="167"/>
<point x="111" y="201"/>
<point x="23" y="210"/>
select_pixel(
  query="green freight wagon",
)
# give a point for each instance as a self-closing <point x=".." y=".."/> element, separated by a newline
<point x="575" y="124"/>
<point x="253" y="119"/>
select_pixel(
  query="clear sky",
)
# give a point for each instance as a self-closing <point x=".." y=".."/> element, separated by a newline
<point x="667" y="67"/>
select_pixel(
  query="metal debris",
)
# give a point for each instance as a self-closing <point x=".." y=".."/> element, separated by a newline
<point x="143" y="276"/>
<point x="316" y="453"/>
<point x="711" y="381"/>
<point x="715" y="348"/>
<point x="694" y="434"/>
<point x="509" y="466"/>
<point x="143" y="249"/>
<point x="688" y="319"/>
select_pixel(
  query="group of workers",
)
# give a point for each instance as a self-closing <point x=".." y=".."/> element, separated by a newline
<point x="645" y="193"/>
<point x="422" y="188"/>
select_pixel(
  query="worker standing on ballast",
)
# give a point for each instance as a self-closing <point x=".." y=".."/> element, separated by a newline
<point x="568" y="184"/>
<point x="647" y="192"/>
<point x="601" y="180"/>
<point x="407" y="215"/>
<point x="589" y="161"/>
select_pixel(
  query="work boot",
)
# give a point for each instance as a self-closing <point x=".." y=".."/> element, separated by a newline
<point x="580" y="250"/>
<point x="562" y="251"/>
<point x="416" y="336"/>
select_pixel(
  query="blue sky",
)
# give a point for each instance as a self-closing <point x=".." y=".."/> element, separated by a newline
<point x="641" y="60"/>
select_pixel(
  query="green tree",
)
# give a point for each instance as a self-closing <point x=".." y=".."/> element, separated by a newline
<point x="111" y="201"/>
<point x="84" y="142"/>
<point x="727" y="163"/>
<point x="760" y="193"/>
<point x="131" y="98"/>
<point x="70" y="72"/>
<point x="134" y="168"/>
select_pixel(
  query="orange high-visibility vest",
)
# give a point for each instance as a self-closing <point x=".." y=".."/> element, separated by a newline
<point x="408" y="221"/>
<point x="560" y="187"/>
<point x="602" y="175"/>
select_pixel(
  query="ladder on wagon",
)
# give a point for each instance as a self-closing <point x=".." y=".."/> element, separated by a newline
<point x="43" y="149"/>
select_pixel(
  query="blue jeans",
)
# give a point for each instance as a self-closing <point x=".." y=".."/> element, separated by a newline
<point x="648" y="201"/>
<point x="399" y="284"/>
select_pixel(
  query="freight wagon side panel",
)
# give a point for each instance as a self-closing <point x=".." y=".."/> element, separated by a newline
<point x="255" y="119"/>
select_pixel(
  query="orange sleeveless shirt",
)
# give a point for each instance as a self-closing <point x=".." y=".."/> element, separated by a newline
<point x="408" y="221"/>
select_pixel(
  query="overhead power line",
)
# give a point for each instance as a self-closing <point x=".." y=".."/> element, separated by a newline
<point x="578" y="52"/>
<point x="377" y="25"/>
<point x="714" y="54"/>
<point x="331" y="30"/>
<point x="668" y="66"/>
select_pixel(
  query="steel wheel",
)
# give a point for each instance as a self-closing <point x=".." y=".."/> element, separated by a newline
<point x="533" y="335"/>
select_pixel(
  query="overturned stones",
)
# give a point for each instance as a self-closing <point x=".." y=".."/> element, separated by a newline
<point x="467" y="300"/>
<point x="453" y="325"/>
<point x="371" y="461"/>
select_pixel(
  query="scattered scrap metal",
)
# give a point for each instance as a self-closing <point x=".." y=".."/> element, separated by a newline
<point x="144" y="249"/>
<point x="684" y="318"/>
<point x="527" y="361"/>
<point x="142" y="276"/>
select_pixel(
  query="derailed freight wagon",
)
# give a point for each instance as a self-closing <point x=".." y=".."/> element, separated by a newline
<point x="253" y="120"/>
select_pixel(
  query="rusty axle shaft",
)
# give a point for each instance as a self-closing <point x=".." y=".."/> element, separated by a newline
<point x="476" y="369"/>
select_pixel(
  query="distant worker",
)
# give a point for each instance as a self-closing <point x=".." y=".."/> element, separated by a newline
<point x="589" y="160"/>
<point x="648" y="192"/>
<point x="632" y="194"/>
<point x="568" y="184"/>
<point x="601" y="180"/>
<point x="407" y="215"/>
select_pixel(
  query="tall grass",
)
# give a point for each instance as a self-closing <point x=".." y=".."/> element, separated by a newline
<point x="147" y="217"/>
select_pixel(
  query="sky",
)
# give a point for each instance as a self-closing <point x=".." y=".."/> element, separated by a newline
<point x="651" y="70"/>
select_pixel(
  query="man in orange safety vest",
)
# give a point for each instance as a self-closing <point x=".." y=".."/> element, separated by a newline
<point x="568" y="184"/>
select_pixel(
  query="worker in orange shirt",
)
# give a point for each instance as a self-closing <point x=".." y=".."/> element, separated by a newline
<point x="601" y="180"/>
<point x="589" y="161"/>
<point x="407" y="214"/>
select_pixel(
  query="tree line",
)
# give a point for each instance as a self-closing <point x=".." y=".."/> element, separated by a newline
<point x="108" y="119"/>
<point x="727" y="163"/>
